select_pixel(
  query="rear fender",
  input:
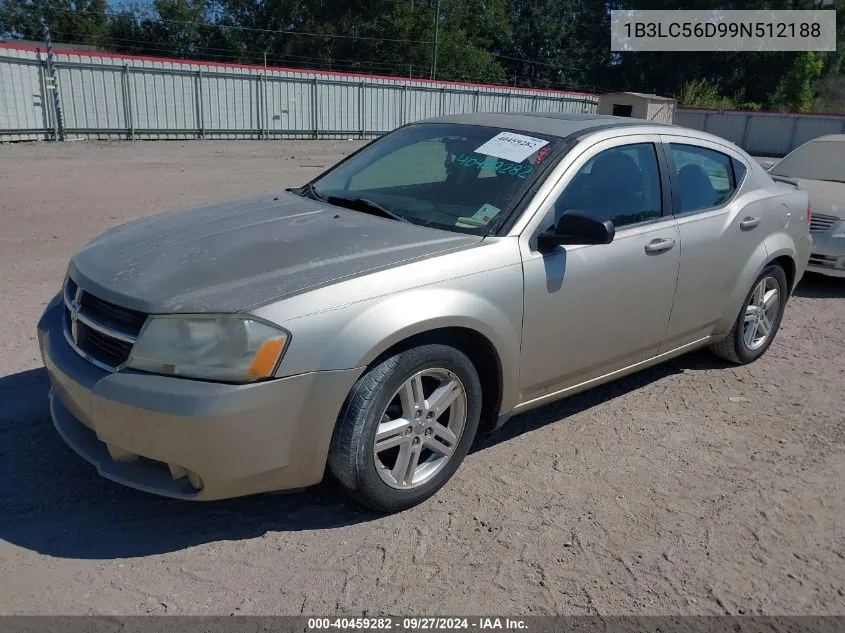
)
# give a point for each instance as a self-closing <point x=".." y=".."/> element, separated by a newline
<point x="783" y="245"/>
<point x="744" y="280"/>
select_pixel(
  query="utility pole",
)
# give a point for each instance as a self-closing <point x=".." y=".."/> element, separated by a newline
<point x="436" y="29"/>
<point x="52" y="82"/>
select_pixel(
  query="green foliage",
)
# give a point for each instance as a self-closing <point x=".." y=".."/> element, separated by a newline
<point x="703" y="93"/>
<point x="797" y="91"/>
<point x="539" y="43"/>
<point x="75" y="20"/>
<point x="831" y="94"/>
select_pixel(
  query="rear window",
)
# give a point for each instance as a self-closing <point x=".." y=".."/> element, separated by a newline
<point x="817" y="160"/>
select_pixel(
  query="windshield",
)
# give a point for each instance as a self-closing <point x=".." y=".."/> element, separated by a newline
<point x="463" y="178"/>
<point x="817" y="160"/>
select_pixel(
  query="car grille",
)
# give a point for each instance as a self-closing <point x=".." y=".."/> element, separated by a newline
<point x="827" y="261"/>
<point x="819" y="222"/>
<point x="99" y="331"/>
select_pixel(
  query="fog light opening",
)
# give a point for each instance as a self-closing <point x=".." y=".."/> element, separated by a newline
<point x="121" y="455"/>
<point x="195" y="480"/>
<point x="177" y="472"/>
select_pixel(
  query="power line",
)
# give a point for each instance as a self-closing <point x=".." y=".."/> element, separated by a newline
<point x="258" y="54"/>
<point x="311" y="62"/>
<point x="225" y="54"/>
<point x="537" y="63"/>
<point x="117" y="14"/>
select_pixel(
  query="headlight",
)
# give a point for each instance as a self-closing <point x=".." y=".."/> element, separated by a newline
<point x="229" y="348"/>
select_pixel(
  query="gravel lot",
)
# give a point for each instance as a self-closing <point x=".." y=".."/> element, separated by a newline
<point x="692" y="488"/>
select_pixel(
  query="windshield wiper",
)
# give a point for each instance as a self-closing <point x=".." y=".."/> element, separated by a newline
<point x="307" y="188"/>
<point x="365" y="206"/>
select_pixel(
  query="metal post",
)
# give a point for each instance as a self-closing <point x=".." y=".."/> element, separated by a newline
<point x="706" y="121"/>
<point x="792" y="134"/>
<point x="361" y="123"/>
<point x="127" y="103"/>
<point x="47" y="117"/>
<point x="258" y="109"/>
<point x="200" y="115"/>
<point x="265" y="108"/>
<point x="405" y="105"/>
<point x="508" y="103"/>
<point x="744" y="142"/>
<point x="476" y="101"/>
<point x="436" y="29"/>
<point x="314" y="108"/>
<point x="53" y="83"/>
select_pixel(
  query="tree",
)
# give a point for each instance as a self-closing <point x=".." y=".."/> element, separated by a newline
<point x="536" y="43"/>
<point x="79" y="21"/>
<point x="796" y="91"/>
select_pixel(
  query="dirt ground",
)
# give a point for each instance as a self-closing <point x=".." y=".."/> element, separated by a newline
<point x="692" y="488"/>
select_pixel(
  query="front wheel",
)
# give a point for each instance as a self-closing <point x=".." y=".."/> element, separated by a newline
<point x="406" y="427"/>
<point x="758" y="320"/>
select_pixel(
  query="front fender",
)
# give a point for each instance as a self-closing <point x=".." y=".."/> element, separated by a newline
<point x="352" y="336"/>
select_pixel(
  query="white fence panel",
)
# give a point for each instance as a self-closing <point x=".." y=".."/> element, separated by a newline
<point x="107" y="96"/>
<point x="23" y="98"/>
<point x="290" y="106"/>
<point x="383" y="107"/>
<point x="768" y="135"/>
<point x="810" y="127"/>
<point x="762" y="133"/>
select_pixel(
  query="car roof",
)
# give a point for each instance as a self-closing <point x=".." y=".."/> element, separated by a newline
<point x="561" y="124"/>
<point x="829" y="137"/>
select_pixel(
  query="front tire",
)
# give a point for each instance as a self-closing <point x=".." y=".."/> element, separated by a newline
<point x="406" y="427"/>
<point x="758" y="321"/>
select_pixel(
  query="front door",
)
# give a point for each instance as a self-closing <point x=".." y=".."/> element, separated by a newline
<point x="593" y="309"/>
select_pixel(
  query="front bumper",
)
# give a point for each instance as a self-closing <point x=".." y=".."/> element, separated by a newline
<point x="828" y="255"/>
<point x="191" y="439"/>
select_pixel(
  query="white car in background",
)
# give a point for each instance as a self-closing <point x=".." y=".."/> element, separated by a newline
<point x="818" y="166"/>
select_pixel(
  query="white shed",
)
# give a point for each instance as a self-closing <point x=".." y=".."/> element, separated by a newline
<point x="638" y="106"/>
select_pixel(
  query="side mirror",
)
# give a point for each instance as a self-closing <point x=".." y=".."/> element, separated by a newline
<point x="575" y="227"/>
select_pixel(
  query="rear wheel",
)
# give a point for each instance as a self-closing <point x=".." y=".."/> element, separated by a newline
<point x="406" y="427"/>
<point x="758" y="320"/>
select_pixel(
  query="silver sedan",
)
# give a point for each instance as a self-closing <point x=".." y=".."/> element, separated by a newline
<point x="819" y="167"/>
<point x="371" y="323"/>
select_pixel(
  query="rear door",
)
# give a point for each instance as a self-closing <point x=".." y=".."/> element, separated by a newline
<point x="720" y="226"/>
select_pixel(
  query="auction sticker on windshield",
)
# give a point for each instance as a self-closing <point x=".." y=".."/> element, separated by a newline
<point x="511" y="146"/>
<point x="480" y="218"/>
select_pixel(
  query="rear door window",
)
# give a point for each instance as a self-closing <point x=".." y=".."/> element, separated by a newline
<point x="704" y="177"/>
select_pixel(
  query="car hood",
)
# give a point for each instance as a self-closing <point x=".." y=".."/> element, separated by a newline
<point x="231" y="256"/>
<point x="825" y="196"/>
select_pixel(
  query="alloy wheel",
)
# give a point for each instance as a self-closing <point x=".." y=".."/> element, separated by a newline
<point x="420" y="429"/>
<point x="761" y="313"/>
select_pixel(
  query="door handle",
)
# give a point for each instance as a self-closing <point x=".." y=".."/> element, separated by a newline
<point x="749" y="223"/>
<point x="660" y="245"/>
